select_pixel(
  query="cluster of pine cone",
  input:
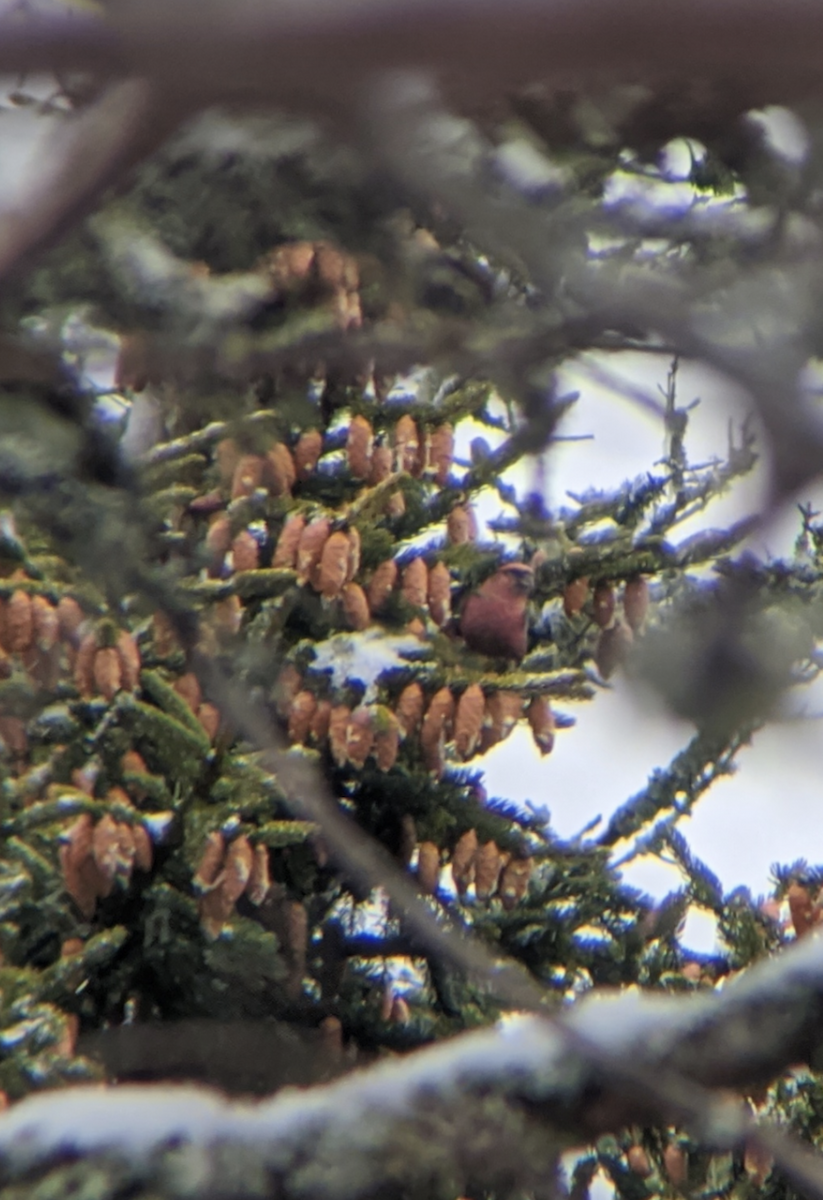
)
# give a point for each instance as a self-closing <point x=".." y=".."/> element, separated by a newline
<point x="281" y="467"/>
<point x="314" y="273"/>
<point x="616" y="635"/>
<point x="317" y="270"/>
<point x="231" y="868"/>
<point x="227" y="872"/>
<point x="328" y="560"/>
<point x="471" y="721"/>
<point x="95" y="857"/>
<point x="50" y="641"/>
<point x="492" y="871"/>
<point x="102" y="658"/>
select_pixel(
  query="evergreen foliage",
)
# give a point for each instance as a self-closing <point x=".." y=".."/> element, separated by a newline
<point x="279" y="514"/>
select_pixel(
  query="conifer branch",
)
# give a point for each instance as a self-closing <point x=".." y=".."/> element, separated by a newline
<point x="707" y="757"/>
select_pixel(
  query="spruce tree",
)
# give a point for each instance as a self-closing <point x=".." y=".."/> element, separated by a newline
<point x="254" y="647"/>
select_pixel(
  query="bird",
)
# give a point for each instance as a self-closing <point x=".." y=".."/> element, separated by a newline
<point x="493" y="620"/>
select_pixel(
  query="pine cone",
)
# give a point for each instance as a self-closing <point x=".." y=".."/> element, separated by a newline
<point x="514" y="882"/>
<point x="45" y="623"/>
<point x="296" y="941"/>
<point x="410" y="706"/>
<point x="335" y="269"/>
<point x="164" y="637"/>
<point x="106" y="850"/>
<point x="638" y="1161"/>
<point x="320" y="723"/>
<point x="804" y="912"/>
<point x="286" y="549"/>
<point x="542" y="722"/>
<point x="188" y="686"/>
<point x="359" y="443"/>
<point x="381" y="585"/>
<point x="106" y="672"/>
<point x="18" y="622"/>
<point x="301" y="714"/>
<point x="415" y="582"/>
<point x="463" y="859"/>
<point x="338" y="731"/>
<point x="248" y="475"/>
<point x="355" y="547"/>
<point x="428" y="867"/>
<point x="439" y="593"/>
<point x="575" y="595"/>
<point x="395" y="504"/>
<point x="382" y="460"/>
<point x="130" y="664"/>
<point x="460" y="526"/>
<point x="757" y="1163"/>
<point x="237" y="869"/>
<point x="14" y="737"/>
<point x="245" y="552"/>
<point x="226" y="456"/>
<point x="81" y="878"/>
<point x="636" y="602"/>
<point x="436" y="731"/>
<point x="469" y="720"/>
<point x="407" y="446"/>
<point x="488" y="863"/>
<point x="70" y="617"/>
<point x="310" y="547"/>
<point x="441" y="453"/>
<point x="603" y="605"/>
<point x="359" y="736"/>
<point x="386" y="739"/>
<point x="259" y="884"/>
<point x="280" y="472"/>
<point x="218" y="541"/>
<point x="676" y="1164"/>
<point x="208" y="715"/>
<point x="503" y="711"/>
<point x="289" y="265"/>
<point x="333" y="567"/>
<point x="400" y="1011"/>
<point x="211" y="861"/>
<point x="307" y="452"/>
<point x="226" y="617"/>
<point x="143" y="849"/>
<point x="355" y="607"/>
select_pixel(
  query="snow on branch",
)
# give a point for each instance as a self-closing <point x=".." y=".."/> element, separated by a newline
<point x="437" y="1116"/>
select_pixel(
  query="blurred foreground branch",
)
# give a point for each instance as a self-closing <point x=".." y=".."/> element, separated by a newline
<point x="317" y="54"/>
<point x="434" y="1120"/>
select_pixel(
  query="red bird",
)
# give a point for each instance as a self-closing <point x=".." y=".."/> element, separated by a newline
<point x="493" y="619"/>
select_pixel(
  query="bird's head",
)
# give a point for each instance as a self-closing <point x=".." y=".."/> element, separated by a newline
<point x="519" y="577"/>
